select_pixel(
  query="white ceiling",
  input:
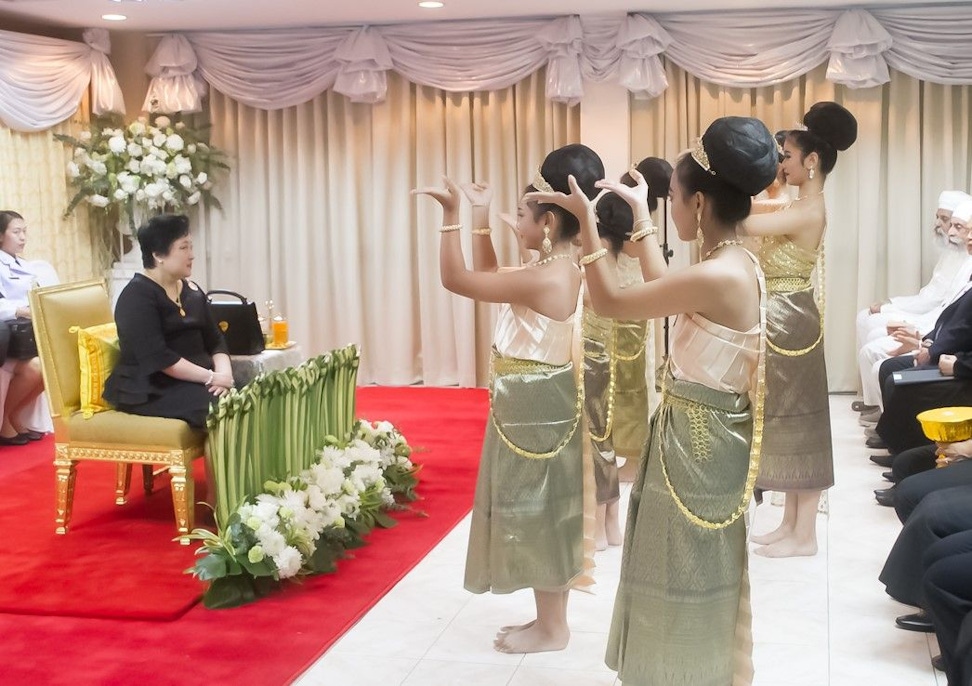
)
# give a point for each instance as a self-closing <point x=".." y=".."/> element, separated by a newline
<point x="162" y="15"/>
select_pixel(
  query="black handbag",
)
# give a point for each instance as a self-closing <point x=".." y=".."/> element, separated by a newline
<point x="238" y="321"/>
<point x="22" y="345"/>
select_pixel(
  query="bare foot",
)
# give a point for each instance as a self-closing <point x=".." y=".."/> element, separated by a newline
<point x="600" y="535"/>
<point x="600" y="540"/>
<point x="788" y="548"/>
<point x="536" y="639"/>
<point x="510" y="628"/>
<point x="771" y="536"/>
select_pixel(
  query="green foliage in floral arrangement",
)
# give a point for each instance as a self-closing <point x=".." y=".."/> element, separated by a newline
<point x="303" y="525"/>
<point x="146" y="166"/>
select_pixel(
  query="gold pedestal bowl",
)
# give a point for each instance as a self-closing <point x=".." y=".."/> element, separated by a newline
<point x="946" y="425"/>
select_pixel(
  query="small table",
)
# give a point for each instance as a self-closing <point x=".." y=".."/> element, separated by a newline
<point x="248" y="367"/>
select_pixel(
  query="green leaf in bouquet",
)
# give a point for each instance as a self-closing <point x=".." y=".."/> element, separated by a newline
<point x="237" y="590"/>
<point x="384" y="521"/>
<point x="211" y="567"/>
<point x="264" y="567"/>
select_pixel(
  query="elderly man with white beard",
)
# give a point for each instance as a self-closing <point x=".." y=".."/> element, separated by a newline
<point x="901" y="338"/>
<point x="873" y="321"/>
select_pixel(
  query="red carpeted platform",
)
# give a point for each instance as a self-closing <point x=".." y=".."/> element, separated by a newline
<point x="269" y="642"/>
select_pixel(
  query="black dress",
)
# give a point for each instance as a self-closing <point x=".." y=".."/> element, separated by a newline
<point x="153" y="335"/>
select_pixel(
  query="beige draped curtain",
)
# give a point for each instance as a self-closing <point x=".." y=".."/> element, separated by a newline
<point x="913" y="142"/>
<point x="318" y="217"/>
<point x="34" y="183"/>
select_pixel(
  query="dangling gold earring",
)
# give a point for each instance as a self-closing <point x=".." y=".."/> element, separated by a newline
<point x="811" y="172"/>
<point x="546" y="245"/>
<point x="699" y="236"/>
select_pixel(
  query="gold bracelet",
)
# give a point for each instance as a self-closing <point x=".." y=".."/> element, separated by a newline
<point x="450" y="227"/>
<point x="594" y="256"/>
<point x="485" y="231"/>
<point x="643" y="233"/>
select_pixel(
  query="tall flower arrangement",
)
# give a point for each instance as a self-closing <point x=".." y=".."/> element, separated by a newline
<point x="145" y="167"/>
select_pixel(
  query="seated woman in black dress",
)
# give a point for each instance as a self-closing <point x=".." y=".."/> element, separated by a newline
<point x="173" y="358"/>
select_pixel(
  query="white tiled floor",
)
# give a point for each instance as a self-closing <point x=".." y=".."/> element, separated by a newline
<point x="818" y="621"/>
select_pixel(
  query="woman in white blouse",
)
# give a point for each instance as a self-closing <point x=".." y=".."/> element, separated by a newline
<point x="17" y="277"/>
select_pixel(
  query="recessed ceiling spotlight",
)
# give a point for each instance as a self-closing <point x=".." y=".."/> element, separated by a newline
<point x="431" y="4"/>
<point x="114" y="17"/>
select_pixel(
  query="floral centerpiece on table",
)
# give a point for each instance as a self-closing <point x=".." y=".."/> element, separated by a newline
<point x="146" y="167"/>
<point x="302" y="525"/>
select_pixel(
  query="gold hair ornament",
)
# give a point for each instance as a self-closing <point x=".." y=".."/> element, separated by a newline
<point x="541" y="184"/>
<point x="700" y="156"/>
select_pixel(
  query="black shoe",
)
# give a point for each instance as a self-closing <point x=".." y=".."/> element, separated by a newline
<point x="31" y="435"/>
<point x="859" y="406"/>
<point x="875" y="442"/>
<point x="915" y="622"/>
<point x="938" y="662"/>
<point x="13" y="440"/>
<point x="882" y="460"/>
<point x="885" y="497"/>
<point x="888" y="475"/>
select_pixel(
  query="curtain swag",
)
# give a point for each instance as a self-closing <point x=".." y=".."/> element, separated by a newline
<point x="273" y="69"/>
<point x="43" y="80"/>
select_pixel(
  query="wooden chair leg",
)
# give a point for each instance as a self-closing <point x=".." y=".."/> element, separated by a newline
<point x="148" y="478"/>
<point x="123" y="481"/>
<point x="183" y="500"/>
<point x="66" y="474"/>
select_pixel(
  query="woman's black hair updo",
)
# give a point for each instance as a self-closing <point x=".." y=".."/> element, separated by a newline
<point x="830" y="128"/>
<point x="585" y="166"/>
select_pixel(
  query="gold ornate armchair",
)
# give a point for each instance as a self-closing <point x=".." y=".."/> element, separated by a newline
<point x="108" y="436"/>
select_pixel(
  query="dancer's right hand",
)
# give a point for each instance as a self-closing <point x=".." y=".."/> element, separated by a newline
<point x="448" y="196"/>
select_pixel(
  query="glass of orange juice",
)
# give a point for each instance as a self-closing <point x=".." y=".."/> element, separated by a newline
<point x="281" y="333"/>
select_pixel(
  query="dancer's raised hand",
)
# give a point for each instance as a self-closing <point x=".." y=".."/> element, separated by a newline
<point x="576" y="202"/>
<point x="635" y="196"/>
<point x="447" y="196"/>
<point x="479" y="194"/>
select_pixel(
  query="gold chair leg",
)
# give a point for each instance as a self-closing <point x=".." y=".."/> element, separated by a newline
<point x="123" y="481"/>
<point x="66" y="473"/>
<point x="183" y="500"/>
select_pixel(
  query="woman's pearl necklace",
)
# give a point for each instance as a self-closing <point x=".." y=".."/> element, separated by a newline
<point x="721" y="244"/>
<point x="548" y="260"/>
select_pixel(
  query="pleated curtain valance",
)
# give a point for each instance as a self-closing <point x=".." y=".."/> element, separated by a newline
<point x="43" y="80"/>
<point x="278" y="68"/>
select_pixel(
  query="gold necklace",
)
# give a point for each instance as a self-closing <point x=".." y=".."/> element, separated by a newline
<point x="721" y="244"/>
<point x="548" y="260"/>
<point x="178" y="302"/>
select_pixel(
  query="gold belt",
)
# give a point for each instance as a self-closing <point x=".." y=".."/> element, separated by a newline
<point x="787" y="284"/>
<point x="501" y="366"/>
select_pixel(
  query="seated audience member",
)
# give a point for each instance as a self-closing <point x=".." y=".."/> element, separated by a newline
<point x="173" y="359"/>
<point x="929" y="473"/>
<point x="938" y="516"/>
<point x="873" y="321"/>
<point x="17" y="277"/>
<point x="947" y="590"/>
<point x="900" y="338"/>
<point x="898" y="429"/>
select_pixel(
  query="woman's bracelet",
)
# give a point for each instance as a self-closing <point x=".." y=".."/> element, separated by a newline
<point x="639" y="234"/>
<point x="593" y="257"/>
<point x="450" y="227"/>
<point x="484" y="231"/>
<point x="212" y="375"/>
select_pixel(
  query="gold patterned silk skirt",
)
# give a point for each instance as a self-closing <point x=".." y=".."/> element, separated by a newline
<point x="797" y="452"/>
<point x="631" y="389"/>
<point x="681" y="614"/>
<point x="527" y="520"/>
<point x="600" y="406"/>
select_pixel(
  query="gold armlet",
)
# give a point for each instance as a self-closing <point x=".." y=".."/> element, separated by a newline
<point x="643" y="233"/>
<point x="593" y="257"/>
<point x="450" y="227"/>
<point x="484" y="231"/>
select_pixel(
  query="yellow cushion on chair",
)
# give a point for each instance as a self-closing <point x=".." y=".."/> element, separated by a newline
<point x="98" y="353"/>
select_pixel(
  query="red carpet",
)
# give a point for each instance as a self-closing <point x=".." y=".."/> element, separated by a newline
<point x="266" y="643"/>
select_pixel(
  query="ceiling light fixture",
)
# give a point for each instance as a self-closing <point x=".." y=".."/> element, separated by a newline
<point x="431" y="4"/>
<point x="114" y="17"/>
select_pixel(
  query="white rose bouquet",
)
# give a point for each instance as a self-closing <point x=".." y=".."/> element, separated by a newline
<point x="146" y="166"/>
<point x="304" y="524"/>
